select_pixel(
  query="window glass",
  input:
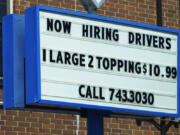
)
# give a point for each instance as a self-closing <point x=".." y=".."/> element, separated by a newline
<point x="3" y="7"/>
<point x="0" y="51"/>
<point x="2" y="10"/>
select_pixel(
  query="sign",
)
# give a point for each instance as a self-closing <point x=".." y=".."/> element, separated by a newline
<point x="88" y="61"/>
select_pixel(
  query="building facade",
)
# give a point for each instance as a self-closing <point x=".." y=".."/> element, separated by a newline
<point x="42" y="121"/>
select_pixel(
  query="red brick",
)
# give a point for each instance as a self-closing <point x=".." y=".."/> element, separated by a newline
<point x="43" y="130"/>
<point x="37" y="114"/>
<point x="20" y="129"/>
<point x="11" y="133"/>
<point x="24" y="114"/>
<point x="11" y="112"/>
<point x="68" y="122"/>
<point x="148" y="133"/>
<point x="24" y="133"/>
<point x="2" y="122"/>
<point x="137" y="132"/>
<point x="48" y="115"/>
<point x="44" y="120"/>
<point x="56" y="131"/>
<point x="35" y="130"/>
<point x="2" y="133"/>
<point x="24" y="124"/>
<point x="31" y="119"/>
<point x="6" y="117"/>
<point x="48" y="125"/>
<point x="11" y="123"/>
<point x="68" y="132"/>
<point x="19" y="118"/>
<point x="6" y="128"/>
<point x="36" y="124"/>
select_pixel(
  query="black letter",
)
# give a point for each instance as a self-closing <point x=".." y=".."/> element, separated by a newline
<point x="94" y="93"/>
<point x="138" y="67"/>
<point x="113" y="63"/>
<point x="91" y="31"/>
<point x="120" y="64"/>
<point x="44" y="55"/>
<point x="138" y="39"/>
<point x="51" y="56"/>
<point x="144" y="40"/>
<point x="131" y="67"/>
<point x="102" y="33"/>
<point x="149" y="39"/>
<point x="90" y="64"/>
<point x="108" y="34"/>
<point x="88" y="93"/>
<point x="75" y="59"/>
<point x="168" y="41"/>
<point x="85" y="30"/>
<point x="116" y="35"/>
<point x="96" y="32"/>
<point x="99" y="59"/>
<point x="155" y="41"/>
<point x="57" y="25"/>
<point x="161" y="42"/>
<point x="67" y="58"/>
<point x="49" y="24"/>
<point x="67" y="27"/>
<point x="106" y="63"/>
<point x="59" y="57"/>
<point x="82" y="60"/>
<point x="131" y="37"/>
<point x="80" y="87"/>
<point x="100" y="94"/>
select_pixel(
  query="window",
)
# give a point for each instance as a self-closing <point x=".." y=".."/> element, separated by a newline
<point x="3" y="12"/>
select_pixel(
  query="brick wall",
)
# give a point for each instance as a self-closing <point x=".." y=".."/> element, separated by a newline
<point x="16" y="122"/>
<point x="171" y="18"/>
<point x="21" y="122"/>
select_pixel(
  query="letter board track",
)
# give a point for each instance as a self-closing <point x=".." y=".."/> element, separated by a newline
<point x="81" y="60"/>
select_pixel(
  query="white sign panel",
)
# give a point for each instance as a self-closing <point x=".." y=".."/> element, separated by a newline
<point x="107" y="65"/>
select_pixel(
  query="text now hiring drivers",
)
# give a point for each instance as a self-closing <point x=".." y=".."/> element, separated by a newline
<point x="110" y="34"/>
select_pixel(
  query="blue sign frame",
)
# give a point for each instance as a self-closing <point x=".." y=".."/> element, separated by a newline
<point x="32" y="53"/>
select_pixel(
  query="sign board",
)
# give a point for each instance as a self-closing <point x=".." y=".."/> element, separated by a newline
<point x="80" y="60"/>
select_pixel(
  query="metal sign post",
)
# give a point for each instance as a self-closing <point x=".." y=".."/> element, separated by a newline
<point x="92" y="5"/>
<point x="95" y="120"/>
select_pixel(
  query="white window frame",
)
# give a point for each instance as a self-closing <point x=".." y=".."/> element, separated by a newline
<point x="9" y="7"/>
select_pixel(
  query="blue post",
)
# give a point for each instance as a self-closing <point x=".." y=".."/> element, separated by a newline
<point x="95" y="123"/>
<point x="13" y="60"/>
